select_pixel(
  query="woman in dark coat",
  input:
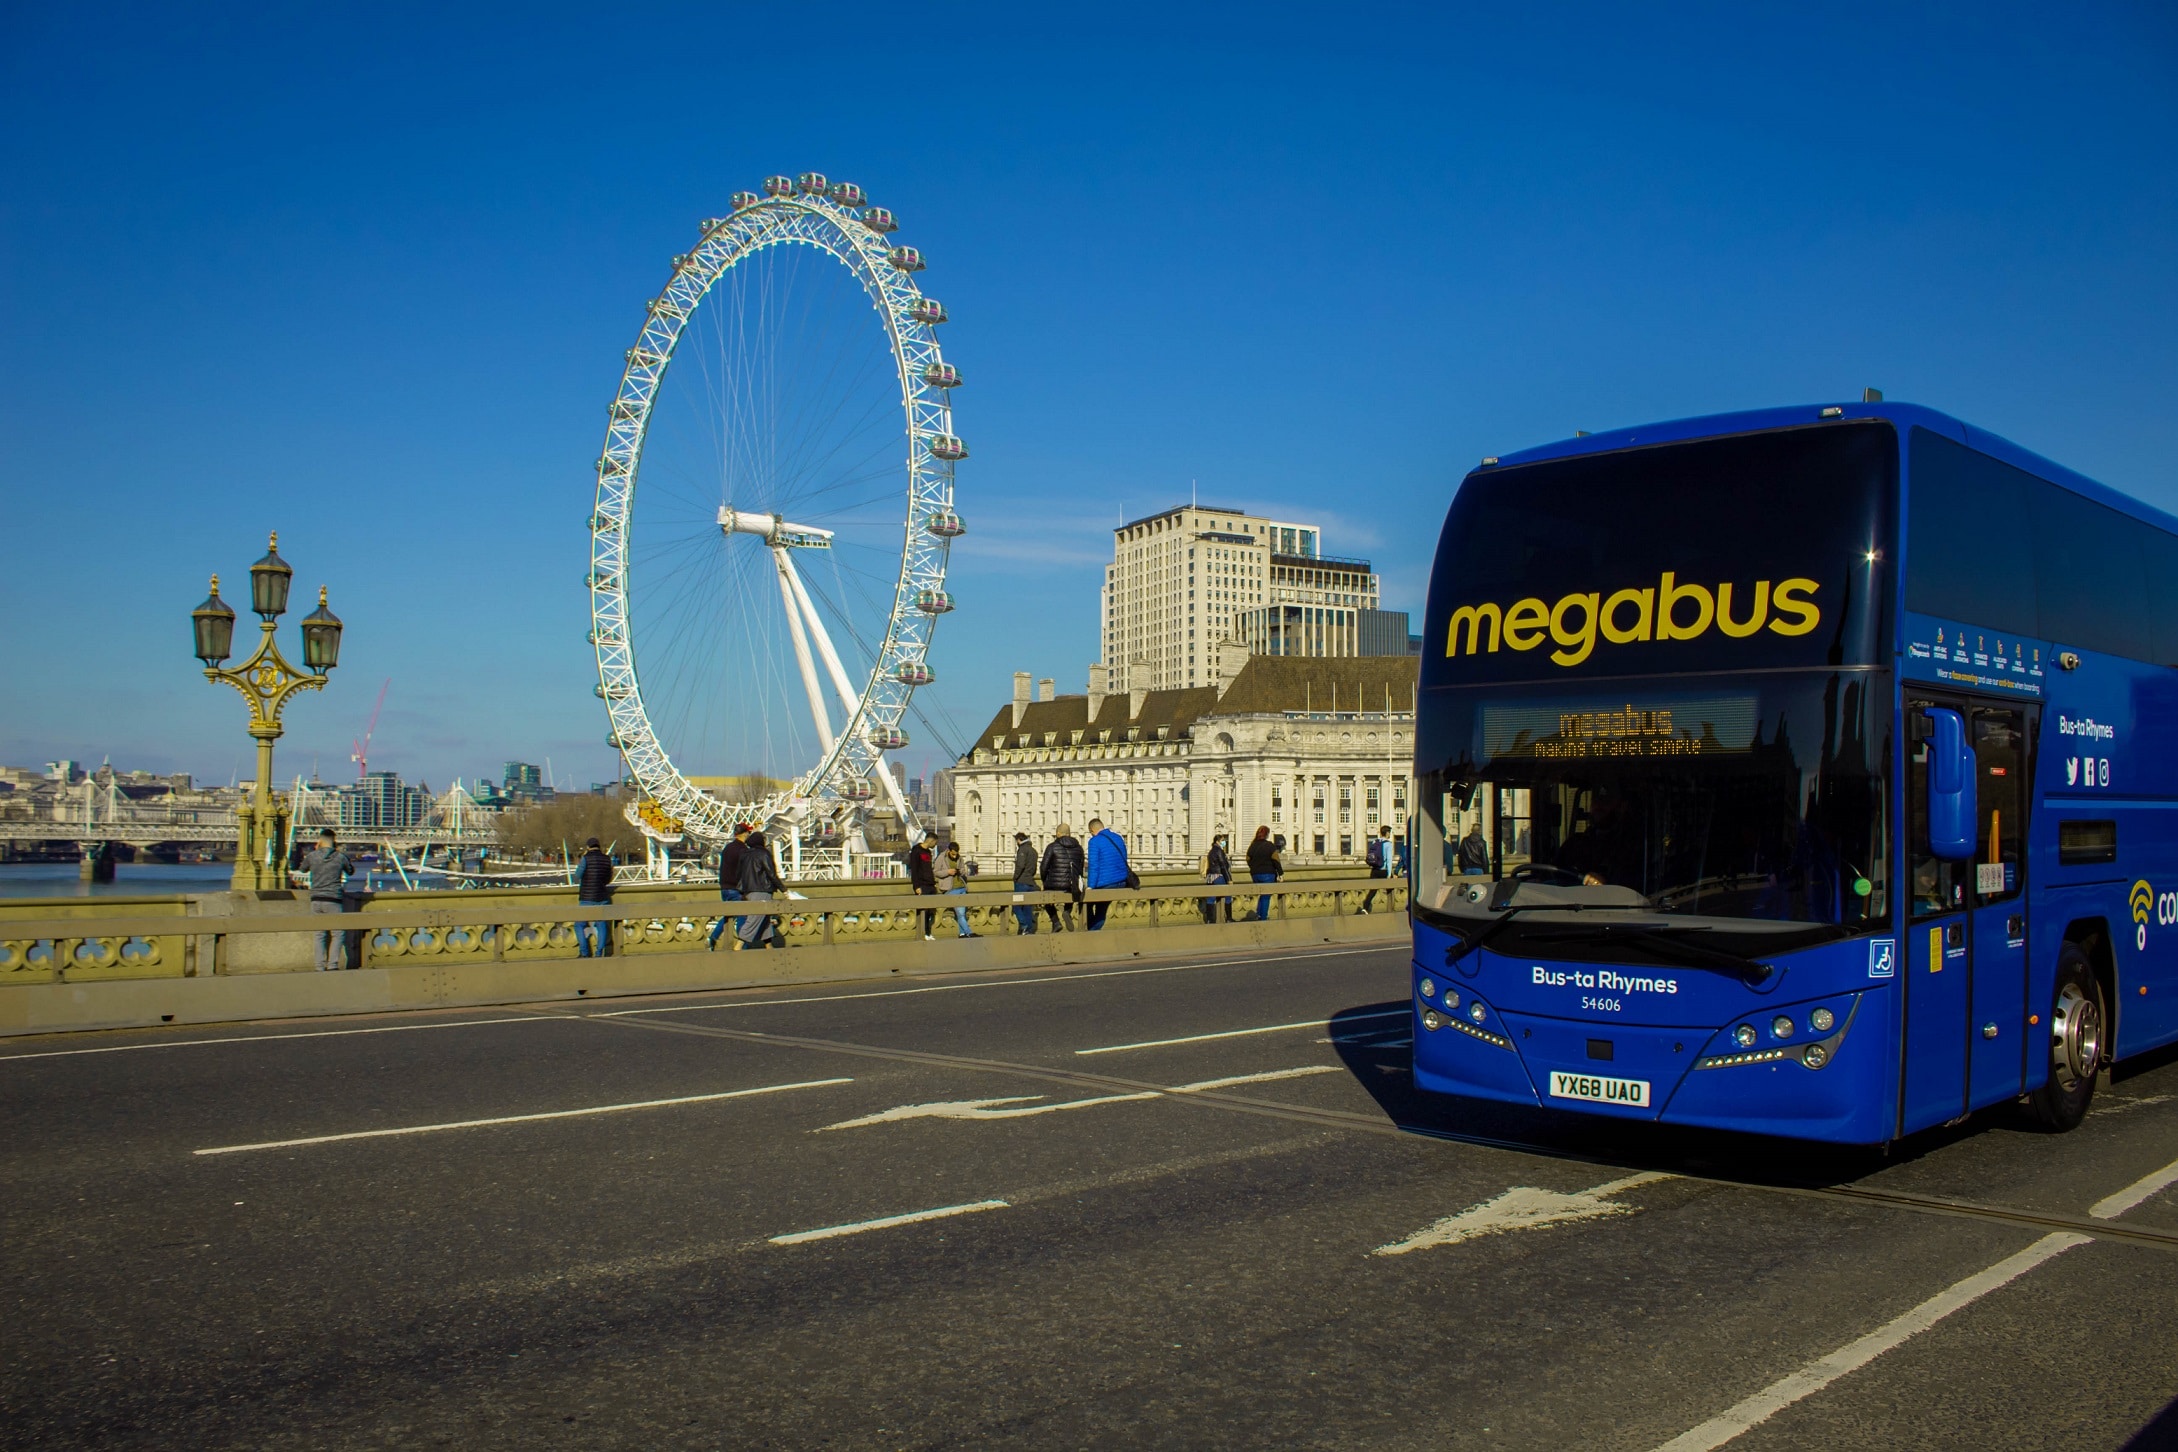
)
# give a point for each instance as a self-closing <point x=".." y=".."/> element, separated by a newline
<point x="1065" y="865"/>
<point x="1263" y="866"/>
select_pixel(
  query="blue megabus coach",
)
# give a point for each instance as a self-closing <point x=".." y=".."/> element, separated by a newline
<point x="1808" y="772"/>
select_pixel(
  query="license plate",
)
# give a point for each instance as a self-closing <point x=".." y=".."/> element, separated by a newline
<point x="1597" y="1090"/>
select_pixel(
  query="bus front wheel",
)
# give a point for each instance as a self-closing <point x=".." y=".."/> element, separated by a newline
<point x="2077" y="1043"/>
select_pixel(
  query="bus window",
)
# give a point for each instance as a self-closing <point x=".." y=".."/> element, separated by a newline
<point x="2001" y="802"/>
<point x="1938" y="886"/>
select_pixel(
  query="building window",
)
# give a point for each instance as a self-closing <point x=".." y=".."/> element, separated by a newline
<point x="1319" y="844"/>
<point x="1346" y="846"/>
<point x="1346" y="805"/>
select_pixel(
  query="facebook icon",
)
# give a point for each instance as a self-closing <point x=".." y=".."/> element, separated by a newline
<point x="1882" y="957"/>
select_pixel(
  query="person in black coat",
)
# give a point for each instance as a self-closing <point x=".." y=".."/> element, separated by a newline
<point x="923" y="877"/>
<point x="1065" y="866"/>
<point x="1217" y="867"/>
<point x="1263" y="866"/>
<point x="729" y="878"/>
<point x="1025" y="862"/>
<point x="759" y="883"/>
<point x="594" y="888"/>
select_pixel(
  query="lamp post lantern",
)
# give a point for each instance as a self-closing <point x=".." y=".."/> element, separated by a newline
<point x="266" y="680"/>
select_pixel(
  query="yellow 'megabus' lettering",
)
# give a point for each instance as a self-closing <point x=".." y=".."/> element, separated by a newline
<point x="1784" y="599"/>
<point x="1472" y="617"/>
<point x="1577" y="642"/>
<point x="1525" y="623"/>
<point x="1671" y="611"/>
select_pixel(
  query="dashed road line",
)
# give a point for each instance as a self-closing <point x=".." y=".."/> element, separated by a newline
<point x="1812" y="1378"/>
<point x="273" y="1144"/>
<point x="886" y="1222"/>
<point x="1275" y="1028"/>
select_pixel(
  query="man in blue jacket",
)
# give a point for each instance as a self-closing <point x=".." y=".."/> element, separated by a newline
<point x="1107" y="867"/>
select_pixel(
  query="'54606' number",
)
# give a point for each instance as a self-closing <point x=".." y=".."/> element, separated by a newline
<point x="1602" y="1005"/>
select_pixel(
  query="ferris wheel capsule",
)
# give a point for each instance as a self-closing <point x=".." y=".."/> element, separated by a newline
<point x="886" y="738"/>
<point x="914" y="673"/>
<point x="928" y="310"/>
<point x="945" y="524"/>
<point x="878" y="219"/>
<point x="857" y="790"/>
<point x="942" y="375"/>
<point x="810" y="183"/>
<point x="947" y="447"/>
<point x="933" y="602"/>
<point x="743" y="201"/>
<point x="847" y="194"/>
<point x="907" y="259"/>
<point x="778" y="186"/>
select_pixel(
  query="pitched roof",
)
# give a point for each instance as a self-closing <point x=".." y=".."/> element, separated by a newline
<point x="1267" y="683"/>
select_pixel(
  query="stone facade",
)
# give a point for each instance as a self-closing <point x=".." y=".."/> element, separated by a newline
<point x="1318" y="750"/>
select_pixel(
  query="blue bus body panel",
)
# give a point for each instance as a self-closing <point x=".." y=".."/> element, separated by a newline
<point x="2106" y="750"/>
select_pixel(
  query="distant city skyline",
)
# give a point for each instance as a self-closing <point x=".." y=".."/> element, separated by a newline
<point x="368" y="280"/>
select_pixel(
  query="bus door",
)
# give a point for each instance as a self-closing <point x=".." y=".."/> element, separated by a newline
<point x="1966" y="955"/>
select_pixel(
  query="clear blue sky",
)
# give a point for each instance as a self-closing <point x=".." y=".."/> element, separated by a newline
<point x="366" y="276"/>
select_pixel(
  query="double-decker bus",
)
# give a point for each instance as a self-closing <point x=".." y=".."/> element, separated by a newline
<point x="1803" y="772"/>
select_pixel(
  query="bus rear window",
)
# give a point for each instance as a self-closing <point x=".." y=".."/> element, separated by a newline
<point x="2081" y="842"/>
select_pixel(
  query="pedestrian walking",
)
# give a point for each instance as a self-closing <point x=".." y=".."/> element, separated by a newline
<point x="1062" y="868"/>
<point x="1217" y="869"/>
<point x="1263" y="866"/>
<point x="1379" y="858"/>
<point x="1024" y="880"/>
<point x="329" y="868"/>
<point x="923" y="878"/>
<point x="1107" y="868"/>
<point x="759" y="883"/>
<point x="594" y="888"/>
<point x="952" y="881"/>
<point x="729" y="881"/>
<point x="1475" y="852"/>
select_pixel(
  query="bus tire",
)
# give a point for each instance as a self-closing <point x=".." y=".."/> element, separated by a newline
<point x="2078" y="1044"/>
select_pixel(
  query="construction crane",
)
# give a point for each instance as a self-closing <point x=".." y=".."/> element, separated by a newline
<point x="362" y="753"/>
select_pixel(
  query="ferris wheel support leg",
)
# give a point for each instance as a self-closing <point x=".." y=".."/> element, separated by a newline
<point x="787" y="593"/>
<point x="848" y="696"/>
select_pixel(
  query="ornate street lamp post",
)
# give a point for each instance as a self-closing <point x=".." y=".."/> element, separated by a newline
<point x="265" y="680"/>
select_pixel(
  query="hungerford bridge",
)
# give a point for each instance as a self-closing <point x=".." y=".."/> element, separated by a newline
<point x="96" y="817"/>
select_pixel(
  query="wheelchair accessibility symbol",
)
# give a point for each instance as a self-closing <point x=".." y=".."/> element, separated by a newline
<point x="1882" y="958"/>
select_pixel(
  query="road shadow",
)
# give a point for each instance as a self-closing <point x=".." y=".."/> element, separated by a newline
<point x="1377" y="1050"/>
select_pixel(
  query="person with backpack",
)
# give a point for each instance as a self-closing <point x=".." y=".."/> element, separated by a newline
<point x="729" y="881"/>
<point x="1024" y="880"/>
<point x="952" y="881"/>
<point x="1263" y="866"/>
<point x="759" y="883"/>
<point x="1217" y="868"/>
<point x="594" y="888"/>
<point x="923" y="878"/>
<point x="1107" y="868"/>
<point x="1379" y="858"/>
<point x="1062" y="868"/>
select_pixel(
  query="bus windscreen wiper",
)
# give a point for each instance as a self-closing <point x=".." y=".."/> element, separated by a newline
<point x="1670" y="940"/>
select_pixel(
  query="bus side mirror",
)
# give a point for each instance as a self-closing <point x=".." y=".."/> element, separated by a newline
<point x="1950" y="787"/>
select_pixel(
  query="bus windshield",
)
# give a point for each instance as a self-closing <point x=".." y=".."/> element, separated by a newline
<point x="1754" y="798"/>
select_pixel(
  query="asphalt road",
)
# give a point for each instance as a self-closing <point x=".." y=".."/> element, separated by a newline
<point x="1186" y="1206"/>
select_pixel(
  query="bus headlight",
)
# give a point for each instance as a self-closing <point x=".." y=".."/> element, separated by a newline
<point x="1431" y="1021"/>
<point x="1781" y="1026"/>
<point x="1815" y="1056"/>
<point x="1476" y="1013"/>
<point x="1429" y="988"/>
<point x="1822" y="1020"/>
<point x="1745" y="1036"/>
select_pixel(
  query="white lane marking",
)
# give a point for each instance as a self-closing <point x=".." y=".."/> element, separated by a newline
<point x="990" y="1108"/>
<point x="1000" y="983"/>
<point x="2109" y="1207"/>
<point x="1275" y="1028"/>
<point x="236" y="1149"/>
<point x="2119" y="1106"/>
<point x="888" y="1221"/>
<point x="398" y="1028"/>
<point x="1263" y="1078"/>
<point x="1375" y="1042"/>
<point x="1523" y="1207"/>
<point x="1813" y="1377"/>
<point x="979" y="1109"/>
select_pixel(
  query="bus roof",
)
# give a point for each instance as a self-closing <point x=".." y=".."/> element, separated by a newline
<point x="1901" y="415"/>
